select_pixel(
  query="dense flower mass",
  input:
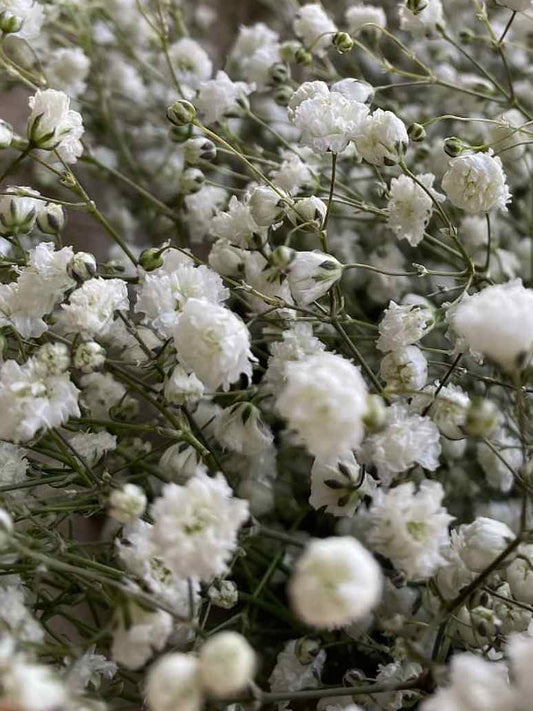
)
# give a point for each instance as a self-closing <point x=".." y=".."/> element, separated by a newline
<point x="266" y="355"/>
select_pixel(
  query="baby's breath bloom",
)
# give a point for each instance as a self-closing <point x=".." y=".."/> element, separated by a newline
<point x="311" y="24"/>
<point x="53" y="125"/>
<point x="403" y="325"/>
<point x="382" y="138"/>
<point x="475" y="182"/>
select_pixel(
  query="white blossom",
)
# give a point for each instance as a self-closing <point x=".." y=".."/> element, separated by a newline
<point x="403" y="325"/>
<point x="424" y="21"/>
<point x="410" y="207"/>
<point x="404" y="369"/>
<point x="310" y="24"/>
<point x="382" y="138"/>
<point x="220" y="96"/>
<point x="475" y="182"/>
<point x="174" y="684"/>
<point x="53" y="125"/>
<point x="227" y="664"/>
<point x="339" y="485"/>
<point x="136" y="639"/>
<point x="483" y="541"/>
<point x="91" y="308"/>
<point x="311" y="275"/>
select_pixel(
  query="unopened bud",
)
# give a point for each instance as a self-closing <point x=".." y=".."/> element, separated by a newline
<point x="303" y="57"/>
<point x="279" y="73"/>
<point x="51" y="219"/>
<point x="82" y="266"/>
<point x="288" y="50"/>
<point x="342" y="42"/>
<point x="307" y="649"/>
<point x="416" y="132"/>
<point x="197" y="149"/>
<point x="10" y="23"/>
<point x="191" y="180"/>
<point x="416" y="6"/>
<point x="281" y="257"/>
<point x="453" y="146"/>
<point x="6" y="134"/>
<point x="151" y="259"/>
<point x="282" y="94"/>
<point x="181" y="113"/>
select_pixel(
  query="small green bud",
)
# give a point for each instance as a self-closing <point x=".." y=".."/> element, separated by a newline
<point x="82" y="266"/>
<point x="181" y="113"/>
<point x="453" y="146"/>
<point x="288" y="50"/>
<point x="282" y="94"/>
<point x="151" y="259"/>
<point x="279" y="73"/>
<point x="191" y="180"/>
<point x="10" y="23"/>
<point x="342" y="42"/>
<point x="416" y="132"/>
<point x="303" y="57"/>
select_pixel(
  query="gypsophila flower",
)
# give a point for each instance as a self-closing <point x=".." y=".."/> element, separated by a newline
<point x="174" y="684"/>
<point x="325" y="400"/>
<point x="91" y="307"/>
<point x="311" y="275"/>
<point x="410" y="207"/>
<point x="220" y="97"/>
<point x="241" y="429"/>
<point x="483" y="541"/>
<point x="297" y="343"/>
<point x="213" y="343"/>
<point x="227" y="664"/>
<point x="191" y="63"/>
<point x="410" y="527"/>
<point x="382" y="138"/>
<point x="339" y="485"/>
<point x="127" y="504"/>
<point x="52" y="125"/>
<point x="196" y="526"/>
<point x="224" y="594"/>
<point x="404" y="369"/>
<point x="298" y="666"/>
<point x="475" y="182"/>
<point x="357" y="16"/>
<point x="426" y="20"/>
<point x="407" y="439"/>
<point x="448" y="409"/>
<point x="403" y="325"/>
<point x="335" y="582"/>
<point x="311" y="24"/>
<point x="137" y="635"/>
<point x="30" y="13"/>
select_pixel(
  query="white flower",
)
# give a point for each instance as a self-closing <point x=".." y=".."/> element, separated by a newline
<point x="196" y="526"/>
<point x="162" y="293"/>
<point x="17" y="620"/>
<point x="475" y="685"/>
<point x="182" y="387"/>
<point x="266" y="205"/>
<point x="483" y="541"/>
<point x="475" y="182"/>
<point x="213" y="342"/>
<point x="32" y="400"/>
<point x="498" y="323"/>
<point x="191" y="63"/>
<point x="311" y="275"/>
<point x="309" y="212"/>
<point x="201" y="207"/>
<point x="403" y="325"/>
<point x="52" y="125"/>
<point x="328" y="120"/>
<point x="325" y="400"/>
<point x="227" y="664"/>
<point x="90" y="669"/>
<point x="220" y="96"/>
<point x="91" y="308"/>
<point x="335" y="582"/>
<point x="310" y="24"/>
<point x="224" y="594"/>
<point x="448" y="409"/>
<point x="32" y="687"/>
<point x="241" y="429"/>
<point x="268" y="280"/>
<point x="127" y="504"/>
<point x="339" y="485"/>
<point x="382" y="138"/>
<point x="30" y="12"/>
<point x="138" y="637"/>
<point x="292" y="175"/>
<point x="359" y="15"/>
<point x="406" y="440"/>
<point x="18" y="211"/>
<point x="236" y="225"/>
<point x="410" y="207"/>
<point x="180" y="462"/>
<point x="298" y="666"/>
<point x="297" y="343"/>
<point x="255" y="51"/>
<point x="89" y="356"/>
<point x="67" y="69"/>
<point x="173" y="684"/>
<point x="404" y="369"/>
<point x="13" y="464"/>
<point x="93" y="445"/>
<point x="499" y="468"/>
<point x="423" y="22"/>
<point x="100" y="393"/>
<point x="410" y="527"/>
<point x="519" y="575"/>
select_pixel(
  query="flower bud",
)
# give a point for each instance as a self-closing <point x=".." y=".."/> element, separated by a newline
<point x="376" y="413"/>
<point x="416" y="6"/>
<point x="482" y="417"/>
<point x="279" y="73"/>
<point x="416" y="132"/>
<point x="197" y="149"/>
<point x="10" y="23"/>
<point x="191" y="180"/>
<point x="303" y="57"/>
<point x="307" y="648"/>
<point x="266" y="206"/>
<point x="223" y="594"/>
<point x="309" y="211"/>
<point x="53" y="358"/>
<point x="281" y="257"/>
<point x="17" y="212"/>
<point x="82" y="266"/>
<point x="288" y="50"/>
<point x="282" y="95"/>
<point x="181" y="113"/>
<point x="453" y="146"/>
<point x="151" y="259"/>
<point x="89" y="356"/>
<point x="127" y="504"/>
<point x="342" y="42"/>
<point x="51" y="219"/>
<point x="6" y="134"/>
